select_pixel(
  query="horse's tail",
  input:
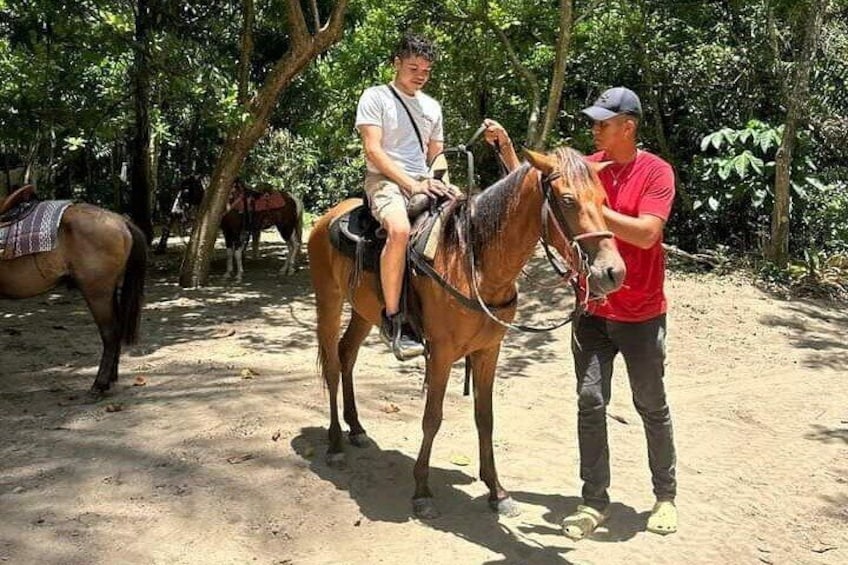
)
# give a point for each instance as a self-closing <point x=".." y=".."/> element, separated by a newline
<point x="132" y="290"/>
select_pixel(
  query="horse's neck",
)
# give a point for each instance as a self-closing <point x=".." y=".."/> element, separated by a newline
<point x="508" y="252"/>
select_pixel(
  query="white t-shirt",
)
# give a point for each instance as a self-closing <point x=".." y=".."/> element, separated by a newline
<point x="379" y="107"/>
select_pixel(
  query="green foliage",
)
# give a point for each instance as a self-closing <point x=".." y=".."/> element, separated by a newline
<point x="710" y="75"/>
<point x="739" y="165"/>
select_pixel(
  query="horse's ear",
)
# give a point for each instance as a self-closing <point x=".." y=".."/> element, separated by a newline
<point x="597" y="166"/>
<point x="540" y="161"/>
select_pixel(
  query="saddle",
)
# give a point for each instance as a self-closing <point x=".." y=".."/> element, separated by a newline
<point x="356" y="234"/>
<point x="18" y="205"/>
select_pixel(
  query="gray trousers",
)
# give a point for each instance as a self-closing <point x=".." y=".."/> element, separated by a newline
<point x="595" y="343"/>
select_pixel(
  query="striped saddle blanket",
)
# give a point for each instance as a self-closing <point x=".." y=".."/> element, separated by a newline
<point x="37" y="232"/>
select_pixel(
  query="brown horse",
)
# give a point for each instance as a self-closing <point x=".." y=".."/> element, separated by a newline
<point x="504" y="225"/>
<point x="241" y="222"/>
<point x="103" y="255"/>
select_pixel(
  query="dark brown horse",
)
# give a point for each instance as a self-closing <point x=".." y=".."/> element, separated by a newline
<point x="504" y="224"/>
<point x="251" y="212"/>
<point x="105" y="256"/>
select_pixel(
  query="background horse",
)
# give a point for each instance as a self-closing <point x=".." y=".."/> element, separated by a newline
<point x="251" y="212"/>
<point x="105" y="256"/>
<point x="504" y="227"/>
<point x="183" y="209"/>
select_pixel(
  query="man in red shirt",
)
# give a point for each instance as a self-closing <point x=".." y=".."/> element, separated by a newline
<point x="631" y="321"/>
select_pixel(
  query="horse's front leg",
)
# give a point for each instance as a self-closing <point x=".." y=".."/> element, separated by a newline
<point x="239" y="253"/>
<point x="230" y="252"/>
<point x="483" y="364"/>
<point x="438" y="370"/>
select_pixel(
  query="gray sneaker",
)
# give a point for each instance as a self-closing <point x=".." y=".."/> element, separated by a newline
<point x="400" y="337"/>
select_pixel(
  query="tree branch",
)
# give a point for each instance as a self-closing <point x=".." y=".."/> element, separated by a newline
<point x="566" y="12"/>
<point x="246" y="51"/>
<point x="530" y="79"/>
<point x="297" y="24"/>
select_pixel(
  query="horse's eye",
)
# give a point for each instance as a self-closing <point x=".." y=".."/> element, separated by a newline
<point x="568" y="200"/>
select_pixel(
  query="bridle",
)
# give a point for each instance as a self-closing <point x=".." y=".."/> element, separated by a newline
<point x="578" y="265"/>
<point x="579" y="258"/>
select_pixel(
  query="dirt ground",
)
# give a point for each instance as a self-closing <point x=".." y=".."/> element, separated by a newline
<point x="211" y="447"/>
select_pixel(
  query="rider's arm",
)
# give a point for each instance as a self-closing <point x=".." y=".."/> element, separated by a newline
<point x="371" y="141"/>
<point x="434" y="148"/>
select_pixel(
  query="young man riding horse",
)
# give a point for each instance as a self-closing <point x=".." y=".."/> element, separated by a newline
<point x="401" y="130"/>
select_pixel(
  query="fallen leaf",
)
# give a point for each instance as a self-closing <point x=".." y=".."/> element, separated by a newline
<point x="248" y="373"/>
<point x="236" y="459"/>
<point x="139" y="381"/>
<point x="114" y="407"/>
<point x="460" y="460"/>
<point x="390" y="408"/>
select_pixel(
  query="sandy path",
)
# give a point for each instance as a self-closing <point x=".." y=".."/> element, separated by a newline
<point x="757" y="388"/>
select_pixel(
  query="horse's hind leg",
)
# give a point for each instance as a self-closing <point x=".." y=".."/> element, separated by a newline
<point x="293" y="245"/>
<point x="328" y="302"/>
<point x="349" y="345"/>
<point x="483" y="365"/>
<point x="101" y="300"/>
<point x="256" y="235"/>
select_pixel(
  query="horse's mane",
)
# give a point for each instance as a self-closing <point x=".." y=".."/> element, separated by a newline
<point x="490" y="208"/>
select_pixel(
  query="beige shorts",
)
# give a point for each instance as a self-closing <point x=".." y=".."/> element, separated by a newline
<point x="384" y="196"/>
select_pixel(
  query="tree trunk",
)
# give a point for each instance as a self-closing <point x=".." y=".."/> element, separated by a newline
<point x="303" y="49"/>
<point x="141" y="178"/>
<point x="653" y="101"/>
<point x="246" y="50"/>
<point x="566" y="16"/>
<point x="777" y="249"/>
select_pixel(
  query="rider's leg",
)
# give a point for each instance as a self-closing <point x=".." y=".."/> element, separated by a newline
<point x="388" y="205"/>
<point x="393" y="258"/>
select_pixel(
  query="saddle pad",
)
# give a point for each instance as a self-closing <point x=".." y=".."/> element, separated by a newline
<point x="36" y="233"/>
<point x="266" y="201"/>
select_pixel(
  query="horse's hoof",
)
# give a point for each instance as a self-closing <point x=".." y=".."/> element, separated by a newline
<point x="425" y="509"/>
<point x="359" y="440"/>
<point x="505" y="507"/>
<point x="336" y="460"/>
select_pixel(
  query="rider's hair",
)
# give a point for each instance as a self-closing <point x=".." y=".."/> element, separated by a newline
<point x="413" y="45"/>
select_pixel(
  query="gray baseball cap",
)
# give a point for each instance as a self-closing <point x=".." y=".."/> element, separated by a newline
<point x="613" y="102"/>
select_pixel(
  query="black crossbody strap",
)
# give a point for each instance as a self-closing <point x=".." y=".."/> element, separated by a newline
<point x="411" y="119"/>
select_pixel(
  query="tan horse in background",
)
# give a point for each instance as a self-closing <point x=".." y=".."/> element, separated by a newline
<point x="505" y="227"/>
<point x="105" y="257"/>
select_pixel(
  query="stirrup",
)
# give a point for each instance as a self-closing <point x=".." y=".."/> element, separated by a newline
<point x="399" y="338"/>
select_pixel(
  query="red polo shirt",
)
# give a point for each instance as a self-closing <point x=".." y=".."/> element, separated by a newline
<point x="643" y="186"/>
